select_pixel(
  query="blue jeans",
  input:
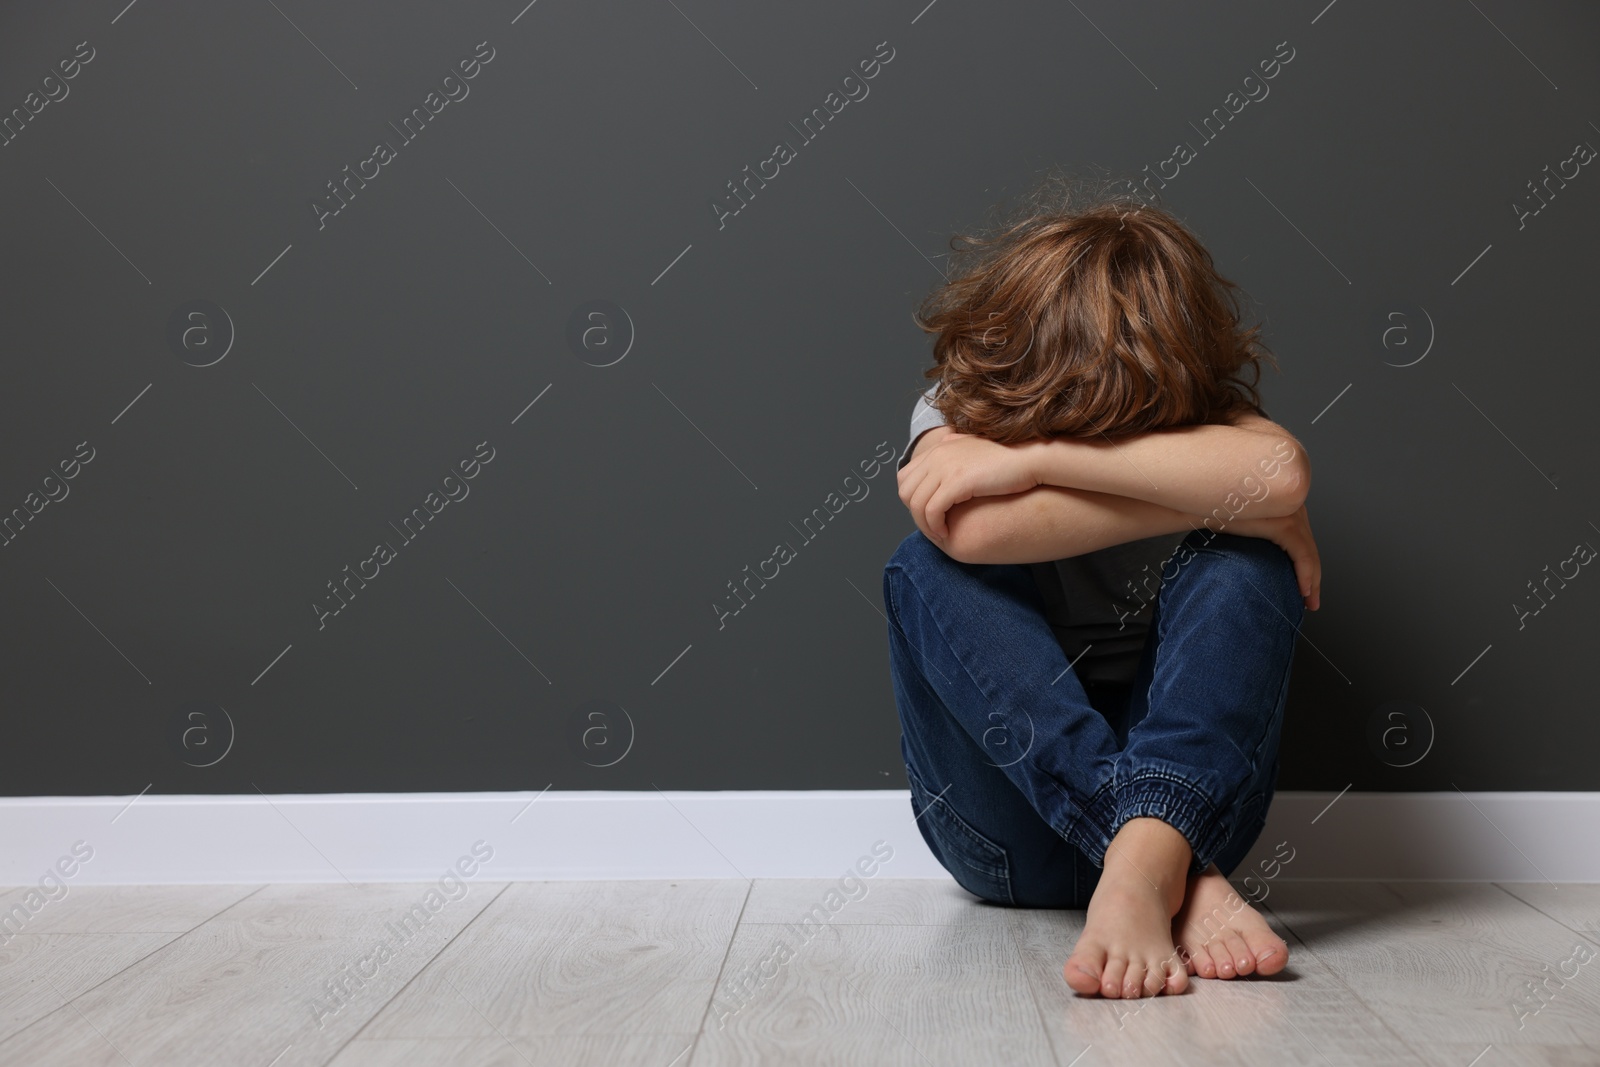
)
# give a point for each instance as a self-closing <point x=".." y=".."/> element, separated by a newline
<point x="1020" y="775"/>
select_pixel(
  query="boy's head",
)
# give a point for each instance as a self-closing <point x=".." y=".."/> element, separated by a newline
<point x="1087" y="311"/>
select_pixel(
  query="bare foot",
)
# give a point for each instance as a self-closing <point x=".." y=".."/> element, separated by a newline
<point x="1126" y="948"/>
<point x="1222" y="936"/>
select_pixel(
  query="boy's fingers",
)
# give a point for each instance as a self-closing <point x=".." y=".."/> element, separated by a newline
<point x="925" y="509"/>
<point x="939" y="504"/>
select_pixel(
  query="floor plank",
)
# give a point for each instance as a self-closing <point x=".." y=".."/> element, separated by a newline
<point x="1517" y="1055"/>
<point x="333" y="910"/>
<point x="691" y="974"/>
<point x="1303" y="1015"/>
<point x="1443" y="963"/>
<point x="227" y="993"/>
<point x="569" y="1050"/>
<point x="563" y="958"/>
<point x="871" y="901"/>
<point x="125" y="909"/>
<point x="873" y="995"/>
<point x="38" y="970"/>
<point x="1577" y="907"/>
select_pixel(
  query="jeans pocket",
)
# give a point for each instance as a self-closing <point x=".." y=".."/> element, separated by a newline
<point x="978" y="865"/>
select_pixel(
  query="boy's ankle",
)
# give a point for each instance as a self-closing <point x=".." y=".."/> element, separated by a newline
<point x="1156" y="850"/>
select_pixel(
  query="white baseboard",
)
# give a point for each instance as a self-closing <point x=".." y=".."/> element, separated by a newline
<point x="386" y="837"/>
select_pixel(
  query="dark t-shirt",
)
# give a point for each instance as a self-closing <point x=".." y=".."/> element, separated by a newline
<point x="1098" y="604"/>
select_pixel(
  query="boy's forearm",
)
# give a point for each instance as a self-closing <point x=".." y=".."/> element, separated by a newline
<point x="1051" y="522"/>
<point x="1192" y="469"/>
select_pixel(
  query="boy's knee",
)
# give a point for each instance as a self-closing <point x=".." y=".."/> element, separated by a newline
<point x="1255" y="560"/>
<point x="915" y="552"/>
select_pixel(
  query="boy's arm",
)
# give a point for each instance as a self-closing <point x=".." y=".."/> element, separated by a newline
<point x="1051" y="522"/>
<point x="1191" y="469"/>
<point x="1047" y="522"/>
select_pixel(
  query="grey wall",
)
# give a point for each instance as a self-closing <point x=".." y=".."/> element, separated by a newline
<point x="161" y="623"/>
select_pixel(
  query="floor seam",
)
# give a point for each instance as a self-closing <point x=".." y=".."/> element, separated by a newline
<point x="1050" y="1041"/>
<point x="1541" y="911"/>
<point x="1379" y="1019"/>
<point x="733" y="935"/>
<point x="134" y="963"/>
<point x="426" y="964"/>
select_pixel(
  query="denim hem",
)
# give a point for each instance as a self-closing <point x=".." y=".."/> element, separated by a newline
<point x="1179" y="805"/>
<point x="1091" y="831"/>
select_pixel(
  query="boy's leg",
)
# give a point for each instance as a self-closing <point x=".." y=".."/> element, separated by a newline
<point x="1205" y="718"/>
<point x="1010" y="762"/>
<point x="1206" y="712"/>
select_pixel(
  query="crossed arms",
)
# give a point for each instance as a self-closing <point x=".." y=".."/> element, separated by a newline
<point x="985" y="502"/>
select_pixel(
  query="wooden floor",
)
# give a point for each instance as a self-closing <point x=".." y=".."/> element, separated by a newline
<point x="690" y="974"/>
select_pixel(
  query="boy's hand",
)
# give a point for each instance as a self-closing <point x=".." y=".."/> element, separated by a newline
<point x="949" y="467"/>
<point x="1292" y="533"/>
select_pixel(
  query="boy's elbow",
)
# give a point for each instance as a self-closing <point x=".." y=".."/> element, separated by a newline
<point x="1286" y="474"/>
<point x="965" y="533"/>
<point x="1296" y="479"/>
<point x="1302" y="489"/>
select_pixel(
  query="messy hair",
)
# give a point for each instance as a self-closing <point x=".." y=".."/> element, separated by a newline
<point x="1086" y="310"/>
